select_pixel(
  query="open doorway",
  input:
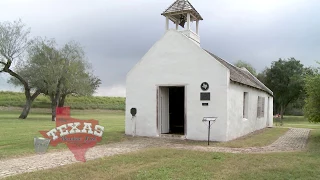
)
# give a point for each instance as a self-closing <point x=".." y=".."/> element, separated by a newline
<point x="172" y="110"/>
<point x="176" y="110"/>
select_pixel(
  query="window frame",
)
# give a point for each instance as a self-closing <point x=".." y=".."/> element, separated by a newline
<point x="245" y="105"/>
<point x="261" y="107"/>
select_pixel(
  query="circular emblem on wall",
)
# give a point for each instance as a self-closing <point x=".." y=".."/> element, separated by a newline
<point x="204" y="86"/>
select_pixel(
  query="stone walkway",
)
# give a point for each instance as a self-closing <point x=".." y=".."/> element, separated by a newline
<point x="294" y="139"/>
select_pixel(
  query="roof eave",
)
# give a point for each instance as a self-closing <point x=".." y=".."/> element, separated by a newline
<point x="198" y="16"/>
<point x="271" y="94"/>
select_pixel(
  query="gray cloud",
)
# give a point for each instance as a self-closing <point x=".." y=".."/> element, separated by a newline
<point x="116" y="34"/>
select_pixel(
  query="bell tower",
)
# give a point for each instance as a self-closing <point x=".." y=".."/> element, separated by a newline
<point x="182" y="14"/>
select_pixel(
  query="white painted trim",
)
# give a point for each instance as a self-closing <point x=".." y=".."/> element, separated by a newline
<point x="167" y="23"/>
<point x="197" y="31"/>
<point x="158" y="86"/>
<point x="171" y="85"/>
<point x="185" y="112"/>
<point x="177" y="25"/>
<point x="188" y="21"/>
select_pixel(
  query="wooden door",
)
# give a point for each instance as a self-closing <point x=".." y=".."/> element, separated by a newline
<point x="164" y="109"/>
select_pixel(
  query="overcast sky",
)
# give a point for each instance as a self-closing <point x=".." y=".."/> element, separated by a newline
<point x="117" y="33"/>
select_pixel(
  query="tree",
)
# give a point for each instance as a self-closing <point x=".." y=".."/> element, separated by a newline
<point x="80" y="81"/>
<point x="83" y="86"/>
<point x="286" y="79"/>
<point x="58" y="72"/>
<point x="14" y="41"/>
<point x="246" y="65"/>
<point x="262" y="76"/>
<point x="312" y="101"/>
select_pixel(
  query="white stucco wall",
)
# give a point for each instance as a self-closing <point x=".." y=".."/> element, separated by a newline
<point x="237" y="125"/>
<point x="271" y="112"/>
<point x="176" y="60"/>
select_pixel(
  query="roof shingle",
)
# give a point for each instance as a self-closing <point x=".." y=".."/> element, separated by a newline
<point x="242" y="76"/>
<point x="182" y="5"/>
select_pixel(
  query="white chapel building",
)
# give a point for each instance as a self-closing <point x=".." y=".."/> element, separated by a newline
<point x="177" y="84"/>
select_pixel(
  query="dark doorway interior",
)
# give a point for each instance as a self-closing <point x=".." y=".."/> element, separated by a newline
<point x="176" y="110"/>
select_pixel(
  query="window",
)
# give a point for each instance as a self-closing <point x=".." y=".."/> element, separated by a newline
<point x="260" y="109"/>
<point x="245" y="105"/>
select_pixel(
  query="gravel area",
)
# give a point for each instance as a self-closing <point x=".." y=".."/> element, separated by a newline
<point x="294" y="139"/>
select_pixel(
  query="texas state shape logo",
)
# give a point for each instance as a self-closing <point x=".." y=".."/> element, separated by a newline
<point x="78" y="135"/>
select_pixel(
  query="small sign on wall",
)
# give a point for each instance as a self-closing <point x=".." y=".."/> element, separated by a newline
<point x="205" y="96"/>
<point x="204" y="86"/>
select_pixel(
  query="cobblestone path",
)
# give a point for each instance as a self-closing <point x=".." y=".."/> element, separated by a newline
<point x="294" y="139"/>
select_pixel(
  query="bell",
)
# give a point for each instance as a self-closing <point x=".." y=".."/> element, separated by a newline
<point x="182" y="21"/>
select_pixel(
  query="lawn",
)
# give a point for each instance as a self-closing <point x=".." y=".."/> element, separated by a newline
<point x="183" y="164"/>
<point x="159" y="163"/>
<point x="297" y="122"/>
<point x="20" y="143"/>
<point x="260" y="138"/>
<point x="16" y="135"/>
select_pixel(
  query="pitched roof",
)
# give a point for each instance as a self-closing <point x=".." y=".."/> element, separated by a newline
<point x="180" y="6"/>
<point x="242" y="76"/>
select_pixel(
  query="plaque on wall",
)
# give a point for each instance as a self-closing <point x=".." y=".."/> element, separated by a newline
<point x="204" y="86"/>
<point x="205" y="96"/>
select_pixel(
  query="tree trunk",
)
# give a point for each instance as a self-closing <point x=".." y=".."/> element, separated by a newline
<point x="27" y="106"/>
<point x="53" y="108"/>
<point x="55" y="100"/>
<point x="62" y="100"/>
<point x="278" y="108"/>
<point x="26" y="109"/>
<point x="54" y="104"/>
<point x="281" y="112"/>
<point x="26" y="87"/>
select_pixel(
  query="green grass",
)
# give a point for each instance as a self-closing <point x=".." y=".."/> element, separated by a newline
<point x="20" y="142"/>
<point x="160" y="163"/>
<point x="15" y="99"/>
<point x="297" y="122"/>
<point x="16" y="135"/>
<point x="257" y="139"/>
<point x="183" y="164"/>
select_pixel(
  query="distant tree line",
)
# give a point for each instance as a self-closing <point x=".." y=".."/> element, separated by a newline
<point x="292" y="84"/>
<point x="40" y="66"/>
<point x="17" y="99"/>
